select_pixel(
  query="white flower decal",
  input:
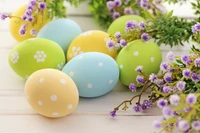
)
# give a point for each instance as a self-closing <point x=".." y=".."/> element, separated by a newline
<point x="75" y="51"/>
<point x="86" y="33"/>
<point x="14" y="57"/>
<point x="60" y="66"/>
<point x="40" y="56"/>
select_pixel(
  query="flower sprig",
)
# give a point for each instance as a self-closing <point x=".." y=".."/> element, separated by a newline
<point x="182" y="117"/>
<point x="180" y="74"/>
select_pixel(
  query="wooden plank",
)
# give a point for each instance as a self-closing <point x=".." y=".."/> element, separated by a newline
<point x="76" y="124"/>
<point x="13" y="102"/>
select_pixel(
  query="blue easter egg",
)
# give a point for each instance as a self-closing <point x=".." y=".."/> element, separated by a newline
<point x="61" y="31"/>
<point x="94" y="73"/>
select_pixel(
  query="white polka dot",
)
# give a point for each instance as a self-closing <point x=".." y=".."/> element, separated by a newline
<point x="41" y="80"/>
<point x="152" y="59"/>
<point x="62" y="81"/>
<point x="69" y="106"/>
<point x="75" y="54"/>
<point x="81" y="52"/>
<point x="55" y="114"/>
<point x="121" y="66"/>
<point x="71" y="74"/>
<point x="89" y="85"/>
<point x="100" y="64"/>
<point x="78" y="49"/>
<point x="110" y="81"/>
<point x="40" y="103"/>
<point x="73" y="49"/>
<point x="136" y="53"/>
<point x="53" y="98"/>
<point x="80" y="57"/>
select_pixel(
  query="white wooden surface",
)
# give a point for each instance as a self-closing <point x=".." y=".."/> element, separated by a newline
<point x="91" y="116"/>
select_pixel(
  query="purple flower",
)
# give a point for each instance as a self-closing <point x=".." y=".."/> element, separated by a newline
<point x="167" y="112"/>
<point x="166" y="89"/>
<point x="186" y="73"/>
<point x="138" y="1"/>
<point x="152" y="77"/>
<point x="111" y="10"/>
<point x="132" y="87"/>
<point x="110" y="4"/>
<point x="195" y="77"/>
<point x="191" y="99"/>
<point x="170" y="56"/>
<point x="147" y="104"/>
<point x="128" y="10"/>
<point x="142" y="25"/>
<point x="24" y="26"/>
<point x="161" y="103"/>
<point x="197" y="62"/>
<point x="118" y="35"/>
<point x="174" y="99"/>
<point x="139" y="69"/>
<point x="3" y="16"/>
<point x="42" y="5"/>
<point x="22" y="32"/>
<point x="183" y="125"/>
<point x="140" y="79"/>
<point x="116" y="15"/>
<point x="196" y="125"/>
<point x="118" y="3"/>
<point x="194" y="30"/>
<point x="113" y="113"/>
<point x="144" y="4"/>
<point x="110" y="44"/>
<point x="130" y="25"/>
<point x="30" y="19"/>
<point x="23" y="17"/>
<point x="33" y="2"/>
<point x="180" y="85"/>
<point x="137" y="108"/>
<point x="33" y="32"/>
<point x="185" y="59"/>
<point x="164" y="66"/>
<point x="168" y="77"/>
<point x="159" y="82"/>
<point x="187" y="109"/>
<point x="29" y="7"/>
<point x="28" y="13"/>
<point x="157" y="124"/>
<point x="145" y="37"/>
<point x="136" y="12"/>
<point x="197" y="26"/>
<point x="123" y="42"/>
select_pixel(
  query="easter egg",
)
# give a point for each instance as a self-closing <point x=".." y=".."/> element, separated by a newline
<point x="120" y="23"/>
<point x="51" y="93"/>
<point x="138" y="53"/>
<point x="16" y="22"/>
<point x="34" y="54"/>
<point x="94" y="73"/>
<point x="90" y="41"/>
<point x="61" y="31"/>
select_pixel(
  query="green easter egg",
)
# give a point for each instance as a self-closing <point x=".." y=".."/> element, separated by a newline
<point x="35" y="54"/>
<point x="138" y="53"/>
<point x="119" y="24"/>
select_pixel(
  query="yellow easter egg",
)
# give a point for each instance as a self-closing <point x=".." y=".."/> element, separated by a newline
<point x="90" y="41"/>
<point x="16" y="22"/>
<point x="51" y="93"/>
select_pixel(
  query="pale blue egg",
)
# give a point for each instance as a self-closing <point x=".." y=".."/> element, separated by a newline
<point x="94" y="73"/>
<point x="61" y="31"/>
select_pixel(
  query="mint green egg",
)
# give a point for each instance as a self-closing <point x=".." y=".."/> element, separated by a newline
<point x="35" y="54"/>
<point x="138" y="53"/>
<point x="119" y="24"/>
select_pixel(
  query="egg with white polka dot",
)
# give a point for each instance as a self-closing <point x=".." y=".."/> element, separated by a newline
<point x="90" y="41"/>
<point x="138" y="53"/>
<point x="94" y="73"/>
<point x="35" y="54"/>
<point x="51" y="93"/>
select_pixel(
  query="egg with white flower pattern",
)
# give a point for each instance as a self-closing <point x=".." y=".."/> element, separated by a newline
<point x="35" y="54"/>
<point x="119" y="24"/>
<point x="90" y="41"/>
<point x="138" y="53"/>
<point x="94" y="73"/>
<point x="51" y="93"/>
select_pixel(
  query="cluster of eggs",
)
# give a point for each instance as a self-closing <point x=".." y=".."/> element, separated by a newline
<point x="62" y="63"/>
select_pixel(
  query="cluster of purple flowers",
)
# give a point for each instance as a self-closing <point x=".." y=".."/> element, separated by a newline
<point x="196" y="28"/>
<point x="143" y="3"/>
<point x="173" y="119"/>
